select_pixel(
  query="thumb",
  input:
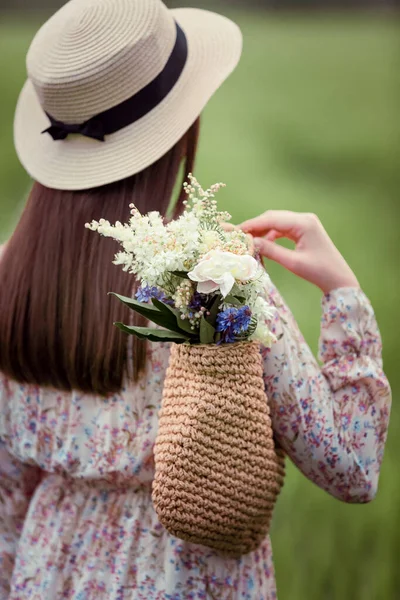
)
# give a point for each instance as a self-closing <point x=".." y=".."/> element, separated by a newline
<point x="279" y="254"/>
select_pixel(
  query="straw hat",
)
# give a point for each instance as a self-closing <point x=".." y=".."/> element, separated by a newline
<point x="114" y="84"/>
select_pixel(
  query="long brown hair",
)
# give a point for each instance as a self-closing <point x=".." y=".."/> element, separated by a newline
<point x="56" y="319"/>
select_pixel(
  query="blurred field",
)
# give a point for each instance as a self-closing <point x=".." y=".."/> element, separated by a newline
<point x="310" y="123"/>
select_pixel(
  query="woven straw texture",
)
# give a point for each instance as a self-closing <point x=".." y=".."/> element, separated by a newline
<point x="94" y="54"/>
<point x="218" y="473"/>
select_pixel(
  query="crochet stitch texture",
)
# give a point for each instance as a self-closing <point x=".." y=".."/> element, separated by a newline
<point x="218" y="472"/>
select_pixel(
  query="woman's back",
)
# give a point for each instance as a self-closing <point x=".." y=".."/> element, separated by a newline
<point x="91" y="521"/>
<point x="85" y="436"/>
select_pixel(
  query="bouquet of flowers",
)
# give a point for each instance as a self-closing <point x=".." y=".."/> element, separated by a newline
<point x="218" y="471"/>
<point x="198" y="279"/>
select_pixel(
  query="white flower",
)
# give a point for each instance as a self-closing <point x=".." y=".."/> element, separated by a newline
<point x="220" y="270"/>
<point x="264" y="335"/>
<point x="264" y="313"/>
<point x="262" y="310"/>
<point x="209" y="241"/>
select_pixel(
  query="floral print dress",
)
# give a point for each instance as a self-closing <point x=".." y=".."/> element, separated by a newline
<point x="76" y="517"/>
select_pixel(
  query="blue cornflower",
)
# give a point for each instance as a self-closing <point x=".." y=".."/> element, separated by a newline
<point x="228" y="337"/>
<point x="243" y="320"/>
<point x="232" y="322"/>
<point x="146" y="293"/>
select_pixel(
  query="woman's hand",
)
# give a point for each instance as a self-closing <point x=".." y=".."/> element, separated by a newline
<point x="315" y="258"/>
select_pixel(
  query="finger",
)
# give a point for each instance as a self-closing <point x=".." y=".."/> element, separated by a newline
<point x="283" y="256"/>
<point x="228" y="227"/>
<point x="273" y="235"/>
<point x="280" y="220"/>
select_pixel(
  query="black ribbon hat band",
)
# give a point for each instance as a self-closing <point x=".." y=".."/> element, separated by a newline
<point x="134" y="108"/>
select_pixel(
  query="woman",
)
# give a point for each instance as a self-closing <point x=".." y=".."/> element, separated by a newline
<point x="109" y="113"/>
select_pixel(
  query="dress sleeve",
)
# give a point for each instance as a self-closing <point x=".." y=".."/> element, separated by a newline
<point x="17" y="485"/>
<point x="332" y="421"/>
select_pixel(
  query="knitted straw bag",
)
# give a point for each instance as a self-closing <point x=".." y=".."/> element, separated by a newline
<point x="218" y="472"/>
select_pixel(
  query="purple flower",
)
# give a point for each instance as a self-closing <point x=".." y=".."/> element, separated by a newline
<point x="233" y="322"/>
<point x="196" y="302"/>
<point x="147" y="293"/>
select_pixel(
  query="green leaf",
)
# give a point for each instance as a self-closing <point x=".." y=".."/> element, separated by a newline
<point x="233" y="300"/>
<point x="154" y="335"/>
<point x="214" y="309"/>
<point x="184" y="325"/>
<point x="181" y="274"/>
<point x="135" y="304"/>
<point x="207" y="332"/>
<point x="181" y="325"/>
<point x="151" y="313"/>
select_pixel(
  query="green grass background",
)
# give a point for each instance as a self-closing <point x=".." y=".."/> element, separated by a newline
<point x="309" y="122"/>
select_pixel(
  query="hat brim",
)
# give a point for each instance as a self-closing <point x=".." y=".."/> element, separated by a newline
<point x="77" y="163"/>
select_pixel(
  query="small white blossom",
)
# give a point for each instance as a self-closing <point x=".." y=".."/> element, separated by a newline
<point x="264" y="335"/>
<point x="262" y="310"/>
